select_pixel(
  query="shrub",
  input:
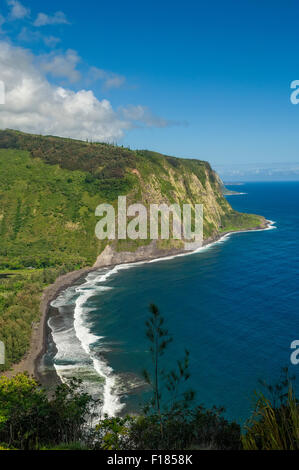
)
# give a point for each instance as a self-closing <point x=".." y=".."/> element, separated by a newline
<point x="30" y="420"/>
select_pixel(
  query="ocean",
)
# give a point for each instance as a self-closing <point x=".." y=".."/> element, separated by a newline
<point x="233" y="305"/>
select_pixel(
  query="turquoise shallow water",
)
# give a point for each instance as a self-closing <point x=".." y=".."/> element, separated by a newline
<point x="234" y="306"/>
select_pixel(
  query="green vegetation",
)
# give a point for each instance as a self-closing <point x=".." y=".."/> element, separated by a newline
<point x="274" y="424"/>
<point x="20" y="295"/>
<point x="49" y="190"/>
<point x="102" y="161"/>
<point x="274" y="428"/>
<point x="30" y="420"/>
<point x="50" y="187"/>
<point x="194" y="428"/>
<point x="239" y="221"/>
<point x="46" y="214"/>
<point x="171" y="420"/>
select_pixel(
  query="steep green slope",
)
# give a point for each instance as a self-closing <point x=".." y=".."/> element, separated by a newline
<point x="49" y="189"/>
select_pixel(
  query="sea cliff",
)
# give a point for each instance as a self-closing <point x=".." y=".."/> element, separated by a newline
<point x="49" y="190"/>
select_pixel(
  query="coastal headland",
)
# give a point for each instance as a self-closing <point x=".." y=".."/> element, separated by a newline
<point x="50" y="188"/>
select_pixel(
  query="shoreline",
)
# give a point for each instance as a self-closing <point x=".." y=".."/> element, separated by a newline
<point x="38" y="341"/>
<point x="38" y="337"/>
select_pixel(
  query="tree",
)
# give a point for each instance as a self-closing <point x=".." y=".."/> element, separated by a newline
<point x="173" y="401"/>
<point x="159" y="339"/>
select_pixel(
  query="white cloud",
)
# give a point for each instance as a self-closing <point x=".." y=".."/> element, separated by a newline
<point x="110" y="79"/>
<point x="43" y="19"/>
<point x="141" y="114"/>
<point x="18" y="11"/>
<point x="62" y="65"/>
<point x="35" y="105"/>
<point x="51" y="41"/>
<point x="26" y="35"/>
<point x="29" y="36"/>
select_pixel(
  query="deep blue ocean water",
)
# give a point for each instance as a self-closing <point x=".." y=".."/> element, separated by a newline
<point x="234" y="306"/>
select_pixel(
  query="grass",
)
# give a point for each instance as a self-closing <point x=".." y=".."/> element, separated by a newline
<point x="273" y="428"/>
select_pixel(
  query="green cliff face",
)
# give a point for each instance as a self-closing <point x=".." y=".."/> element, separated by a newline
<point x="50" y="187"/>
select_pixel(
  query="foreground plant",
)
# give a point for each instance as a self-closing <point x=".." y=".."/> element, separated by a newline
<point x="274" y="424"/>
<point x="30" y="420"/>
<point x="170" y="419"/>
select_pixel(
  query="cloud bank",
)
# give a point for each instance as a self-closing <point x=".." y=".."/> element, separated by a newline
<point x="62" y="65"/>
<point x="33" y="104"/>
<point x="43" y="92"/>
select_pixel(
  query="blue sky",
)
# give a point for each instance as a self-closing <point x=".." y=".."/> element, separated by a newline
<point x="194" y="79"/>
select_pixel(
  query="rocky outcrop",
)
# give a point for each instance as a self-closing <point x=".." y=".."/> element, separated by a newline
<point x="110" y="257"/>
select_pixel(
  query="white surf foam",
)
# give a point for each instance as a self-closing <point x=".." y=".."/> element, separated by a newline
<point x="111" y="400"/>
<point x="222" y="239"/>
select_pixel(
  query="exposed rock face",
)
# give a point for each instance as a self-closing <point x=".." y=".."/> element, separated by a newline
<point x="110" y="257"/>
